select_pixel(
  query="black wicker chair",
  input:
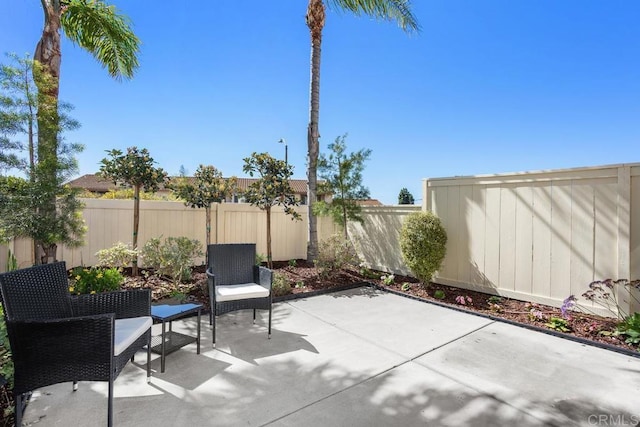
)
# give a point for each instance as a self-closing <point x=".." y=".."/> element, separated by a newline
<point x="236" y="282"/>
<point x="56" y="337"/>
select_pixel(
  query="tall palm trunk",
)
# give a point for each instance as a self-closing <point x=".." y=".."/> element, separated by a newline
<point x="48" y="55"/>
<point x="315" y="21"/>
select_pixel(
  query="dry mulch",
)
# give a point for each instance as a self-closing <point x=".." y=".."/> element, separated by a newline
<point x="304" y="277"/>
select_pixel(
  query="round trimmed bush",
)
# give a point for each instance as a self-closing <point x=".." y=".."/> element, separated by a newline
<point x="423" y="241"/>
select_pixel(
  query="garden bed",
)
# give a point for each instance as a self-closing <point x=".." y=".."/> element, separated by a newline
<point x="304" y="278"/>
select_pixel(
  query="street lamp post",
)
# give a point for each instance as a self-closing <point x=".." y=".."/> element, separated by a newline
<point x="286" y="151"/>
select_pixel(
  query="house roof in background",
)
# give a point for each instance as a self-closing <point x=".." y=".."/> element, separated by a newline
<point x="93" y="183"/>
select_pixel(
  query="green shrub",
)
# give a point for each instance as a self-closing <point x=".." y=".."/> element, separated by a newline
<point x="127" y="193"/>
<point x="120" y="255"/>
<point x="387" y="279"/>
<point x="6" y="363"/>
<point x="439" y="294"/>
<point x="334" y="254"/>
<point x="423" y="241"/>
<point x="95" y="279"/>
<point x="280" y="285"/>
<point x="12" y="262"/>
<point x="172" y="258"/>
<point x="367" y="273"/>
<point x="558" y="324"/>
<point x="630" y="328"/>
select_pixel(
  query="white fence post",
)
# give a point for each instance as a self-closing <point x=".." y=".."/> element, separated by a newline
<point x="624" y="235"/>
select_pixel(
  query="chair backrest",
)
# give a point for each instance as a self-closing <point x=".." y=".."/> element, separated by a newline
<point x="36" y="293"/>
<point x="232" y="263"/>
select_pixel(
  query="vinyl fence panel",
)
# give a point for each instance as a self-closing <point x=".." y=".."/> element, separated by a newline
<point x="540" y="236"/>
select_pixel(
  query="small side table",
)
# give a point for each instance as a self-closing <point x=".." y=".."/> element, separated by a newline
<point x="171" y="341"/>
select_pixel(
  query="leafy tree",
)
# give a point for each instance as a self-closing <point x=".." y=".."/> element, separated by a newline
<point x="16" y="100"/>
<point x="134" y="169"/>
<point x="343" y="178"/>
<point x="40" y="207"/>
<point x="96" y="27"/>
<point x="208" y="187"/>
<point x="405" y="197"/>
<point x="390" y="10"/>
<point x="272" y="189"/>
<point x="20" y="215"/>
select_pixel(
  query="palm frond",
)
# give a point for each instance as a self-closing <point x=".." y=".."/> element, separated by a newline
<point x="107" y="35"/>
<point x="388" y="10"/>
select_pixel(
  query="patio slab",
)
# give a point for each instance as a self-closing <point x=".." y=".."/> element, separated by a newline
<point x="360" y="357"/>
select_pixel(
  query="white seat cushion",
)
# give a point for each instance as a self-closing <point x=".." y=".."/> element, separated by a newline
<point x="128" y="330"/>
<point x="242" y="291"/>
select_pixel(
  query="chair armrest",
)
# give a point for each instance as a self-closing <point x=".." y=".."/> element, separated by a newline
<point x="263" y="276"/>
<point x="42" y="349"/>
<point x="129" y="303"/>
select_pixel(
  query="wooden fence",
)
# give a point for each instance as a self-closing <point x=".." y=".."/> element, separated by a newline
<point x="111" y="221"/>
<point x="540" y="236"/>
<point x="377" y="239"/>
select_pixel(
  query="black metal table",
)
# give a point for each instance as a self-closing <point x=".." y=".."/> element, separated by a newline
<point x="170" y="340"/>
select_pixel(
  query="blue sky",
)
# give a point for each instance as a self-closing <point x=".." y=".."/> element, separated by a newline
<point x="487" y="86"/>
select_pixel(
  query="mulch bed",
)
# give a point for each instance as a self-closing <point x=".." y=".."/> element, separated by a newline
<point x="304" y="278"/>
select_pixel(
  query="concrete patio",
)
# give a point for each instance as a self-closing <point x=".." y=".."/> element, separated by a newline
<point x="361" y="358"/>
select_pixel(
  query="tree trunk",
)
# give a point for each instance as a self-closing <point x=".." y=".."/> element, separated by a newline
<point x="30" y="127"/>
<point x="269" y="258"/>
<point x="48" y="55"/>
<point x="344" y="219"/>
<point x="136" y="221"/>
<point x="315" y="21"/>
<point x="207" y="214"/>
<point x="48" y="253"/>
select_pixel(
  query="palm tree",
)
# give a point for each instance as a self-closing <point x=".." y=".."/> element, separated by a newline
<point x="390" y="10"/>
<point x="97" y="28"/>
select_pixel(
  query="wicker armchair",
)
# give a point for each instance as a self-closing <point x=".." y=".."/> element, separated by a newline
<point x="236" y="282"/>
<point x="56" y="337"/>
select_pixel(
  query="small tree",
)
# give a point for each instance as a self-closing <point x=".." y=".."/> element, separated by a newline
<point x="423" y="242"/>
<point x="272" y="189"/>
<point x="41" y="207"/>
<point x="207" y="188"/>
<point x="405" y="198"/>
<point x="134" y="169"/>
<point x="21" y="216"/>
<point x="343" y="178"/>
